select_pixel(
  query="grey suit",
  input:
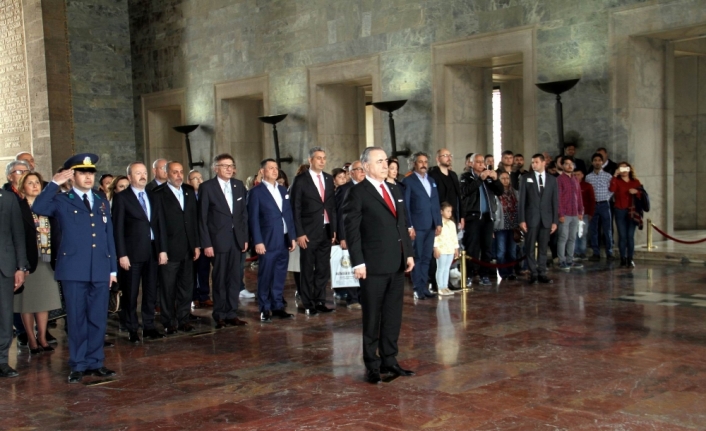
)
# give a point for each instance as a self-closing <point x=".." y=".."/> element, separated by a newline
<point x="13" y="255"/>
<point x="539" y="211"/>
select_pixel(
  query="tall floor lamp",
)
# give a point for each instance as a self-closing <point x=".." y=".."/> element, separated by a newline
<point x="274" y="119"/>
<point x="390" y="107"/>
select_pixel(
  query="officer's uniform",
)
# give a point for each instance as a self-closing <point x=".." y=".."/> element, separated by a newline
<point x="84" y="263"/>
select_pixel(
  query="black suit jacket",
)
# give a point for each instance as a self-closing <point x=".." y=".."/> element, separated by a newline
<point x="217" y="224"/>
<point x="375" y="237"/>
<point x="30" y="230"/>
<point x="611" y="167"/>
<point x="131" y="227"/>
<point x="308" y="207"/>
<point x="435" y="172"/>
<point x="152" y="185"/>
<point x="181" y="226"/>
<point x="340" y="195"/>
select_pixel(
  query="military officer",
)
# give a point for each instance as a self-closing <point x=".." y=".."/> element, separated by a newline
<point x="85" y="264"/>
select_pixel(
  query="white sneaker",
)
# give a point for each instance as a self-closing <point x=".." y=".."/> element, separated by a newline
<point x="246" y="294"/>
<point x="446" y="292"/>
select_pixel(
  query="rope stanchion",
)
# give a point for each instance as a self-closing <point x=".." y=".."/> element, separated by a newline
<point x="649" y="245"/>
<point x="464" y="286"/>
<point x="680" y="241"/>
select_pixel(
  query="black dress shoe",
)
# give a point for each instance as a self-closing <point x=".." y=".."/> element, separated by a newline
<point x="544" y="279"/>
<point x="373" y="376"/>
<point x="170" y="330"/>
<point x="311" y="312"/>
<point x="454" y="288"/>
<point x="186" y="327"/>
<point x="75" y="376"/>
<point x="36" y="351"/>
<point x="236" y="322"/>
<point x="50" y="338"/>
<point x="8" y="371"/>
<point x="532" y="280"/>
<point x="266" y="317"/>
<point x="133" y="337"/>
<point x="107" y="343"/>
<point x="100" y="372"/>
<point x="153" y="334"/>
<point x="220" y="324"/>
<point x="282" y="314"/>
<point x="396" y="369"/>
<point x="47" y="348"/>
<point x="429" y="294"/>
<point x="321" y="308"/>
<point x="193" y="318"/>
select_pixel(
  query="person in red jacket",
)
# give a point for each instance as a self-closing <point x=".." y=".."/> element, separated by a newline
<point x="589" y="207"/>
<point x="625" y="186"/>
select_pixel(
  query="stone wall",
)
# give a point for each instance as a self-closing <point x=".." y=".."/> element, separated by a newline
<point x="101" y="81"/>
<point x="196" y="43"/>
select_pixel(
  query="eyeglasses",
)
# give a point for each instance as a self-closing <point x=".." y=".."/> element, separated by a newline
<point x="446" y="155"/>
<point x="357" y="169"/>
<point x="19" y="172"/>
<point x="226" y="166"/>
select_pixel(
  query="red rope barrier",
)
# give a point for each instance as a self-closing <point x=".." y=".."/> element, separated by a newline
<point x="680" y="241"/>
<point x="252" y="259"/>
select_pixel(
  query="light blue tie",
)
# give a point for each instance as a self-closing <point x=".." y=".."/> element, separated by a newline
<point x="141" y="195"/>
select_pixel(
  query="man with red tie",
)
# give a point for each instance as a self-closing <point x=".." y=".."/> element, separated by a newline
<point x="314" y="207"/>
<point x="381" y="252"/>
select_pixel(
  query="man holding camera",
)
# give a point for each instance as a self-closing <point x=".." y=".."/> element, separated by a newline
<point x="479" y="187"/>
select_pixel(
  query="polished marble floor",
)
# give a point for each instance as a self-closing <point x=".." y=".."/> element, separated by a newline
<point x="565" y="356"/>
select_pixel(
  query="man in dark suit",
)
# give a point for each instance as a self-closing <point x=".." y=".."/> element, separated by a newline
<point x="538" y="215"/>
<point x="580" y="165"/>
<point x="381" y="252"/>
<point x="357" y="175"/>
<point x="449" y="190"/>
<point x="314" y="206"/>
<point x="223" y="231"/>
<point x="422" y="200"/>
<point x="86" y="264"/>
<point x="608" y="165"/>
<point x="202" y="265"/>
<point x="159" y="174"/>
<point x="141" y="245"/>
<point x="177" y="202"/>
<point x="13" y="265"/>
<point x="273" y="232"/>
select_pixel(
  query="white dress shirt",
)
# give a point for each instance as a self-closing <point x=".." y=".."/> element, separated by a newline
<point x="179" y="193"/>
<point x="277" y="196"/>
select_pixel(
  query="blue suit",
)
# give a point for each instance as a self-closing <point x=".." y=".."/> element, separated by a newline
<point x="84" y="263"/>
<point x="267" y="227"/>
<point x="424" y="213"/>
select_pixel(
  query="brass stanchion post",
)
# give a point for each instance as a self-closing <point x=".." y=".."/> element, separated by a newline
<point x="649" y="245"/>
<point x="463" y="270"/>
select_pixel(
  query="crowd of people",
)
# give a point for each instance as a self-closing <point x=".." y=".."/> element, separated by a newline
<point x="181" y="242"/>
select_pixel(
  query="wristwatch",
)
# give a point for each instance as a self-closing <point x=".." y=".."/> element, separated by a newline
<point x="23" y="269"/>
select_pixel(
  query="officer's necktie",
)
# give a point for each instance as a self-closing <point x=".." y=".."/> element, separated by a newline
<point x="388" y="201"/>
<point x="85" y="202"/>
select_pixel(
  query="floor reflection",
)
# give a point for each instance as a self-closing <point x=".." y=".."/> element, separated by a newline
<point x="602" y="348"/>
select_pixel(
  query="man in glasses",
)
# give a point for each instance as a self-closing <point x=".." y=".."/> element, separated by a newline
<point x="449" y="191"/>
<point x="223" y="230"/>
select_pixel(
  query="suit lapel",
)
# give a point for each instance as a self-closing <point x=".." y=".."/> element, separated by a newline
<point x="172" y="197"/>
<point x="132" y="199"/>
<point x="220" y="195"/>
<point x="376" y="195"/>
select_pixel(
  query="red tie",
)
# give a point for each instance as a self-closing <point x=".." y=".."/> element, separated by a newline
<point x="321" y="192"/>
<point x="388" y="201"/>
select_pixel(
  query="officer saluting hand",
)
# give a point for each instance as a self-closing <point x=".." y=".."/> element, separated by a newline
<point x="85" y="264"/>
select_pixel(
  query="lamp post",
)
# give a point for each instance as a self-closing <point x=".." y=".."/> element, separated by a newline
<point x="186" y="130"/>
<point x="390" y="107"/>
<point x="557" y="88"/>
<point x="274" y="119"/>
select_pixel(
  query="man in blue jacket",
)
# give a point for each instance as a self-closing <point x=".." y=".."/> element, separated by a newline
<point x="272" y="229"/>
<point x="422" y="200"/>
<point x="86" y="264"/>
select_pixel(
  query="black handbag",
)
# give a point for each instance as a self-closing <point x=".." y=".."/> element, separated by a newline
<point x="20" y="290"/>
<point x="114" y="302"/>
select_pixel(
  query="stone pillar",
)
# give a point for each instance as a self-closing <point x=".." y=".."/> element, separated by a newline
<point x="339" y="118"/>
<point x="512" y="118"/>
<point x="468" y="111"/>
